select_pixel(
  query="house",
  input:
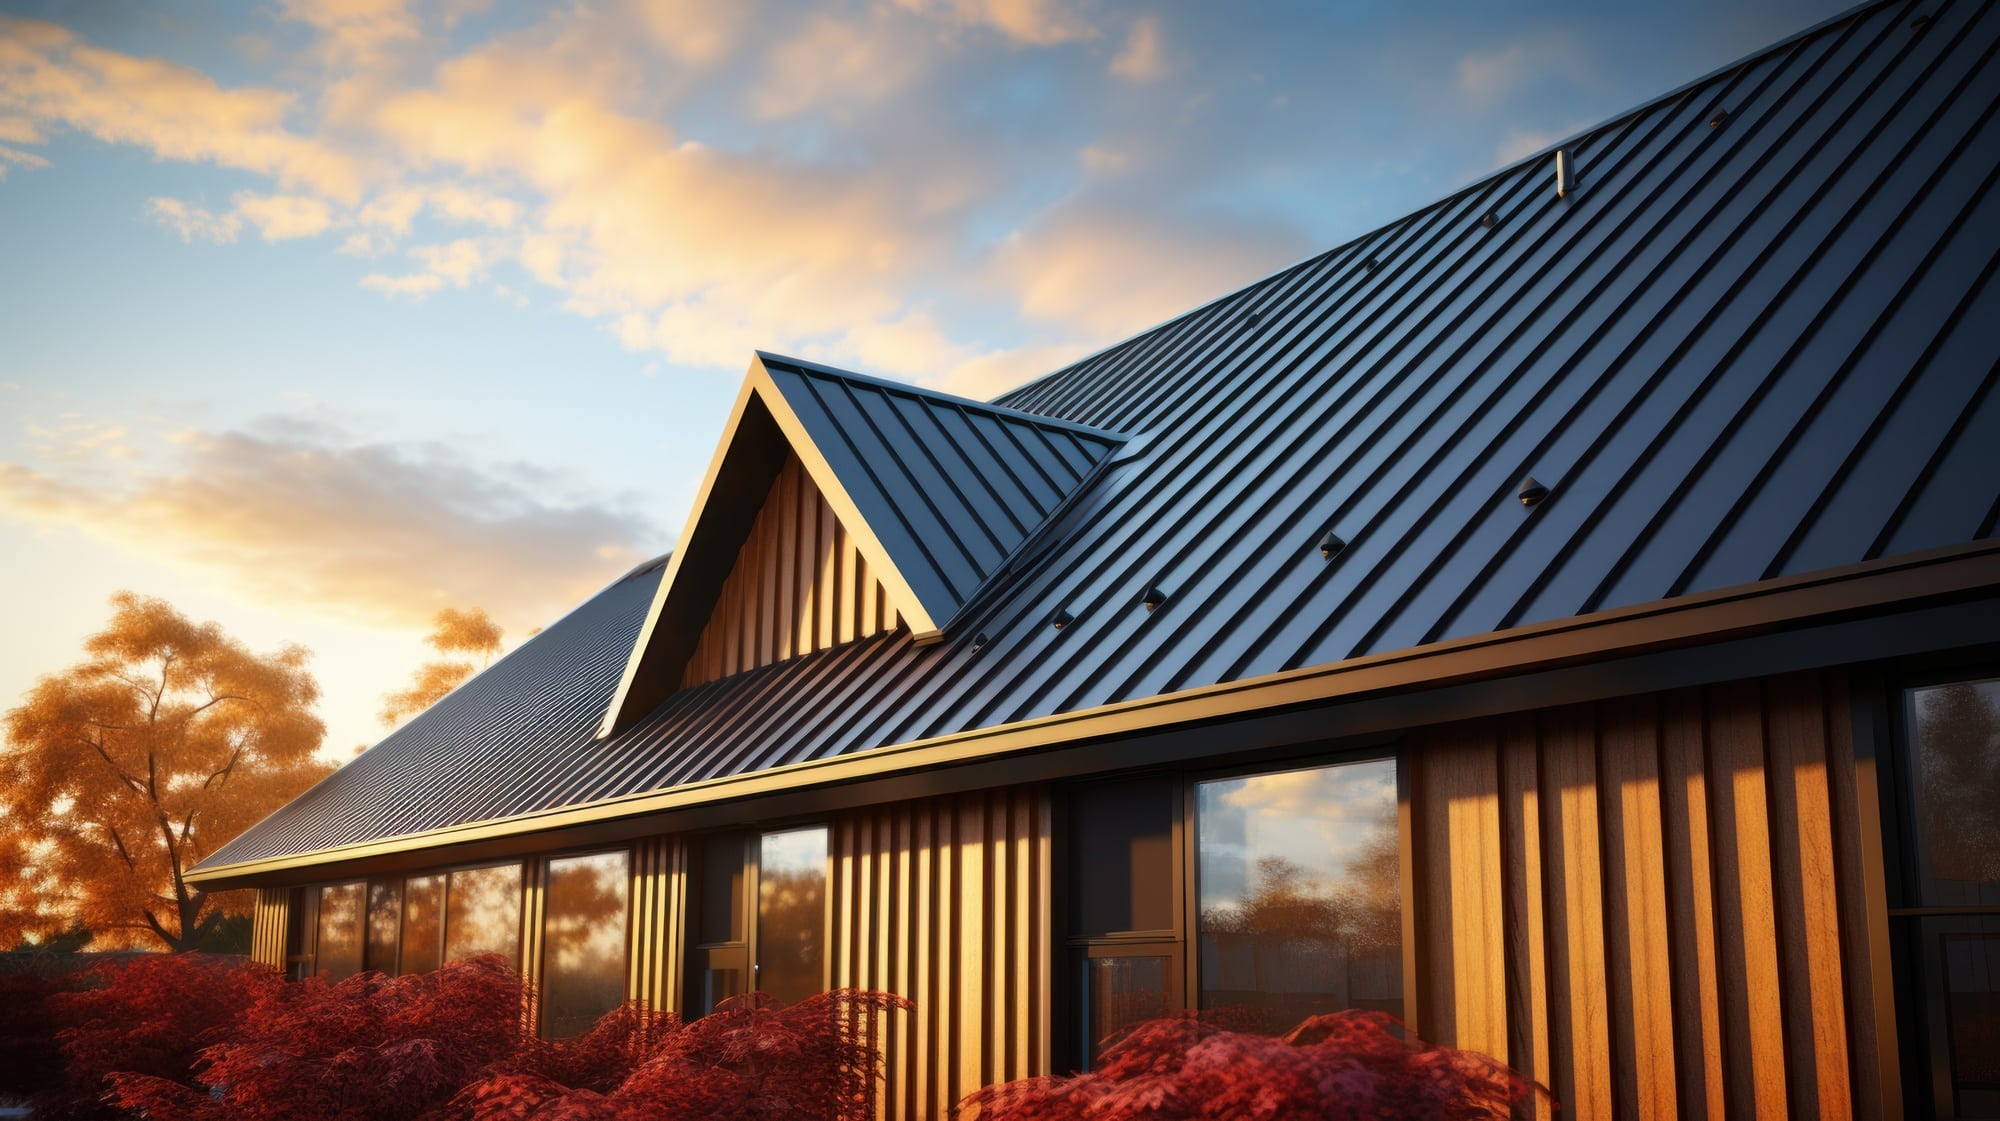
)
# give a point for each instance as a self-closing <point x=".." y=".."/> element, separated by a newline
<point x="1567" y="617"/>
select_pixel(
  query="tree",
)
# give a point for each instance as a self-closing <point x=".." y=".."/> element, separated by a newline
<point x="124" y="771"/>
<point x="472" y="633"/>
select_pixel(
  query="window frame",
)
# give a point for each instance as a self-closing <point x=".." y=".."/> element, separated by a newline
<point x="302" y="948"/>
<point x="700" y="957"/>
<point x="1069" y="1001"/>
<point x="540" y="873"/>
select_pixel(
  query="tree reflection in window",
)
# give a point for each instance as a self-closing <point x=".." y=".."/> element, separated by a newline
<point x="791" y="913"/>
<point x="1957" y="760"/>
<point x="338" y="949"/>
<point x="583" y="954"/>
<point x="483" y="913"/>
<point x="423" y="923"/>
<point x="1300" y="890"/>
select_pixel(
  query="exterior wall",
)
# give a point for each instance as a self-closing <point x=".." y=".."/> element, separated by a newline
<point x="799" y="585"/>
<point x="948" y="903"/>
<point x="1656" y="905"/>
<point x="270" y="922"/>
<point x="658" y="906"/>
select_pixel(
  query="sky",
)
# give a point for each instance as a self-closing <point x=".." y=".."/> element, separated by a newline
<point x="317" y="316"/>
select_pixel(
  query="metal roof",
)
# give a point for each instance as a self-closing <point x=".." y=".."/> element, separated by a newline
<point x="1758" y="338"/>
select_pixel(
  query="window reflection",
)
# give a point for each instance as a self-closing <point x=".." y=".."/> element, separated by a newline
<point x="1300" y="892"/>
<point x="1120" y="992"/>
<point x="483" y="913"/>
<point x="791" y="913"/>
<point x="583" y="963"/>
<point x="338" y="951"/>
<point x="423" y="923"/>
<point x="1956" y="759"/>
<point x="384" y="926"/>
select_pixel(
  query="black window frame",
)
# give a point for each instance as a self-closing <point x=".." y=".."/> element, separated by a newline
<point x="739" y="953"/>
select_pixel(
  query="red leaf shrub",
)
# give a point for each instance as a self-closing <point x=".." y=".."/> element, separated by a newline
<point x="364" y="1048"/>
<point x="1342" y="1065"/>
<point x="752" y="1059"/>
<point x="147" y="1016"/>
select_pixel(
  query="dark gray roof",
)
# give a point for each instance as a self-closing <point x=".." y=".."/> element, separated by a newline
<point x="1760" y="338"/>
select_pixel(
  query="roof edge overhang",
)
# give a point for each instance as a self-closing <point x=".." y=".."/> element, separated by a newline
<point x="1940" y="576"/>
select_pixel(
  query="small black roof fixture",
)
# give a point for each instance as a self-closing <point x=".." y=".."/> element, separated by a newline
<point x="1491" y="219"/>
<point x="1061" y="619"/>
<point x="1371" y="264"/>
<point x="1153" y="598"/>
<point x="1532" y="492"/>
<point x="1720" y="118"/>
<point x="1922" y="22"/>
<point x="979" y="641"/>
<point x="1330" y="544"/>
<point x="1250" y="319"/>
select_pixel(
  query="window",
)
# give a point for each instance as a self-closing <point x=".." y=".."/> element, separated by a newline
<point x="583" y="941"/>
<point x="1124" y="906"/>
<point x="760" y="917"/>
<point x="482" y="913"/>
<point x="1291" y="881"/>
<point x="423" y="924"/>
<point x="337" y="941"/>
<point x="385" y="917"/>
<point x="1300" y="908"/>
<point x="1951" y="892"/>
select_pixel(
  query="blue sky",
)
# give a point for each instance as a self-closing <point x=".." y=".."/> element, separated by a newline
<point x="319" y="315"/>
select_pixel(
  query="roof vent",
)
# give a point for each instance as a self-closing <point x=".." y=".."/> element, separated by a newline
<point x="1153" y="598"/>
<point x="1061" y="619"/>
<point x="1330" y="545"/>
<point x="1565" y="172"/>
<point x="1490" y="219"/>
<point x="979" y="641"/>
<point x="1532" y="492"/>
<point x="1250" y="320"/>
<point x="1371" y="264"/>
<point x="1922" y="22"/>
<point x="1721" y="118"/>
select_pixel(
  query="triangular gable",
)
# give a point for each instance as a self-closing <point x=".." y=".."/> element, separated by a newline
<point x="936" y="493"/>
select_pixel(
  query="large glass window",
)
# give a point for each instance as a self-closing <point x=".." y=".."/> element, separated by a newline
<point x="1952" y="892"/>
<point x="1124" y="906"/>
<point x="385" y="917"/>
<point x="337" y="949"/>
<point x="423" y="924"/>
<point x="1299" y="909"/>
<point x="791" y="914"/>
<point x="583" y="940"/>
<point x="483" y="913"/>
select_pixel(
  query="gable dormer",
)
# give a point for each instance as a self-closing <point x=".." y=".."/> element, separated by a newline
<point x="839" y="506"/>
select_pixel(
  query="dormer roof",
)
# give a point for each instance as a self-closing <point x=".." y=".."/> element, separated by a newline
<point x="936" y="493"/>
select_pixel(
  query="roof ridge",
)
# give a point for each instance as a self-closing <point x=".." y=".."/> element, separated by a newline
<point x="891" y="385"/>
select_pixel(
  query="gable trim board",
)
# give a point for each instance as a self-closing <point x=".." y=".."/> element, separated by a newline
<point x="1953" y="575"/>
<point x="938" y="493"/>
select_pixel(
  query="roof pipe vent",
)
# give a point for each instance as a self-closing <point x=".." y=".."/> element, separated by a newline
<point x="1490" y="219"/>
<point x="1720" y="118"/>
<point x="1153" y="598"/>
<point x="1922" y="22"/>
<point x="1532" y="492"/>
<point x="1371" y="264"/>
<point x="979" y="642"/>
<point x="1565" y="173"/>
<point x="1061" y="619"/>
<point x="1330" y="545"/>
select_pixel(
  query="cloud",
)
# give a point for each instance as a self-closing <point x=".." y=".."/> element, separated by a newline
<point x="414" y="285"/>
<point x="283" y="217"/>
<point x="1498" y="73"/>
<point x="13" y="157"/>
<point x="1034" y="22"/>
<point x="52" y="78"/>
<point x="355" y="32"/>
<point x="297" y="515"/>
<point x="1144" y="57"/>
<point x="192" y="222"/>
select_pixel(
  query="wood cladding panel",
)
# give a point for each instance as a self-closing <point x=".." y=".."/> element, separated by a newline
<point x="659" y="921"/>
<point x="269" y="917"/>
<point x="1675" y="884"/>
<point x="799" y="585"/>
<point x="947" y="903"/>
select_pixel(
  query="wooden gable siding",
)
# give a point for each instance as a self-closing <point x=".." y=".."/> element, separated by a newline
<point x="270" y="923"/>
<point x="946" y="901"/>
<point x="799" y="585"/>
<point x="1654" y="905"/>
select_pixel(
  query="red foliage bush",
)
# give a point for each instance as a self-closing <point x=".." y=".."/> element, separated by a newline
<point x="147" y="1016"/>
<point x="1342" y="1065"/>
<point x="750" y="1060"/>
<point x="364" y="1048"/>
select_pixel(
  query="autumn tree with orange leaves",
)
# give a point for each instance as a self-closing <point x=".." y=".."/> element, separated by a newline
<point x="124" y="771"/>
<point x="458" y="635"/>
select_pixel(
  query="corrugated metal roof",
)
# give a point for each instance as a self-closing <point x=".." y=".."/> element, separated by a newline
<point x="1759" y="338"/>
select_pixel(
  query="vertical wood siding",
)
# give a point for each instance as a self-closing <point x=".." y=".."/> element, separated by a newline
<point x="534" y="904"/>
<point x="1642" y="902"/>
<point x="659" y="918"/>
<point x="946" y="901"/>
<point x="269" y="918"/>
<point x="799" y="585"/>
